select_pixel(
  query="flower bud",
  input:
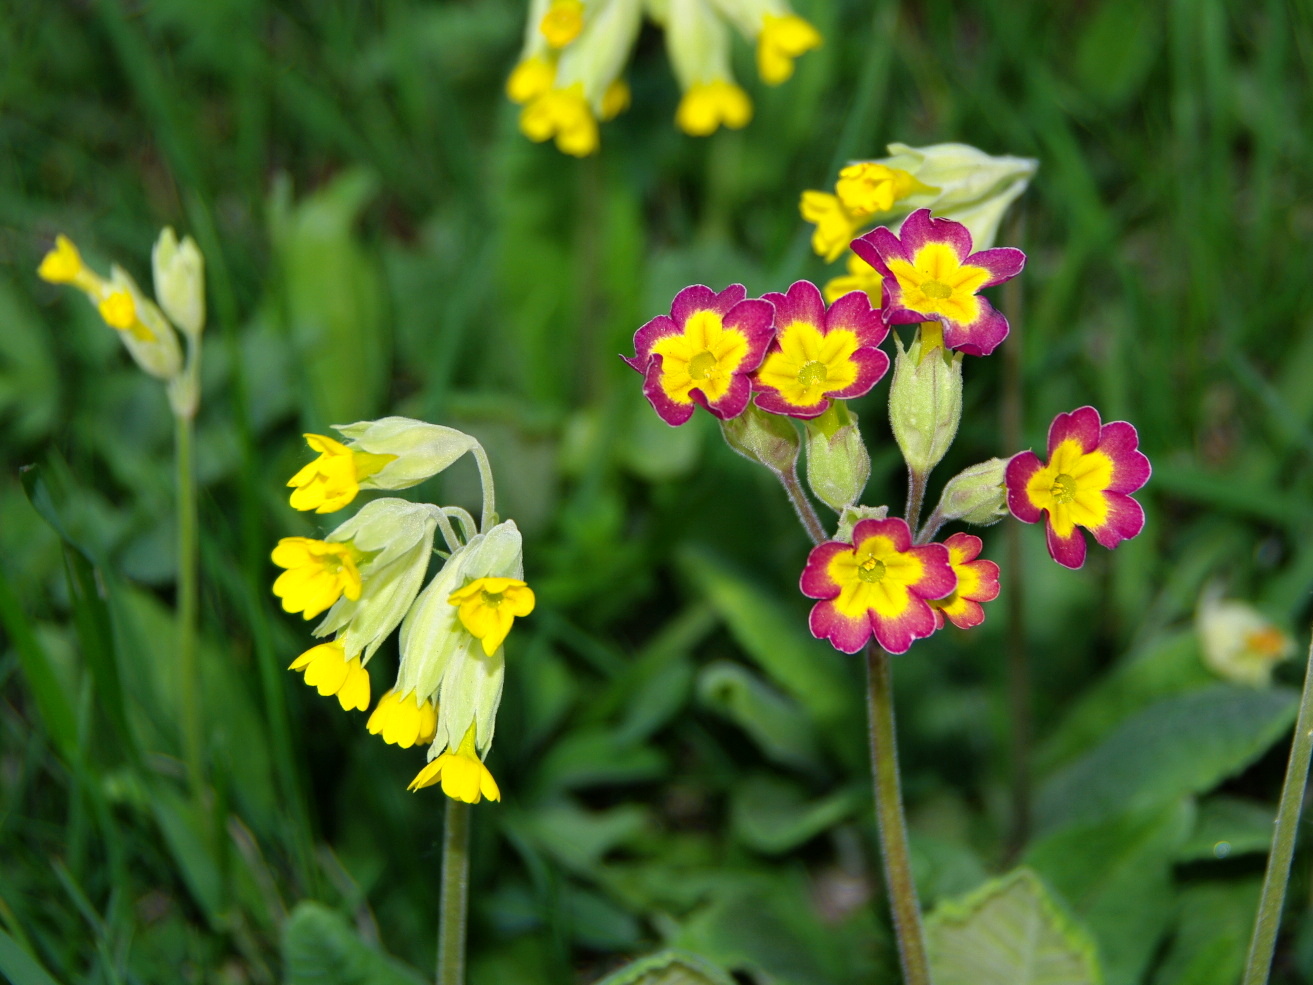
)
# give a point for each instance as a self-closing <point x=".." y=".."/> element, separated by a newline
<point x="925" y="398"/>
<point x="150" y="339"/>
<point x="977" y="495"/>
<point x="838" y="464"/>
<point x="768" y="439"/>
<point x="179" y="272"/>
<point x="421" y="450"/>
<point x="1239" y="643"/>
<point x="850" y="516"/>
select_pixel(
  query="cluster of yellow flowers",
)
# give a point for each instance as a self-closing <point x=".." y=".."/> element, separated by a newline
<point x="365" y="578"/>
<point x="569" y="73"/>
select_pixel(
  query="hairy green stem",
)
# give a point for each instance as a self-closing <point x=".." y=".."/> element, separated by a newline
<point x="916" y="483"/>
<point x="802" y="505"/>
<point x="1268" y="919"/>
<point x="903" y="902"/>
<point x="188" y="667"/>
<point x="454" y="899"/>
<point x="489" y="491"/>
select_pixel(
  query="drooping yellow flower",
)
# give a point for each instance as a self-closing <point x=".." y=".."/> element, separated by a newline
<point x="120" y="312"/>
<point x="562" y="114"/>
<point x="64" y="265"/>
<point x="782" y="39"/>
<point x="562" y="22"/>
<point x="530" y="79"/>
<point x="319" y="572"/>
<point x="327" y="668"/>
<point x="463" y="775"/>
<point x="489" y="606"/>
<point x="836" y="227"/>
<point x="332" y="480"/>
<point x="404" y="720"/>
<point x="707" y="106"/>
<point x="861" y="276"/>
<point x="868" y="187"/>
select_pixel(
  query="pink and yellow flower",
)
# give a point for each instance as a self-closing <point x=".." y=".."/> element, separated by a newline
<point x="977" y="581"/>
<point x="879" y="585"/>
<point x="1092" y="470"/>
<point x="930" y="273"/>
<point x="703" y="352"/>
<point x="819" y="354"/>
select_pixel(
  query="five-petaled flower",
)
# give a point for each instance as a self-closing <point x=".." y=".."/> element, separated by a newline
<point x="327" y="668"/>
<point x="319" y="572"/>
<point x="819" y="354"/>
<point x="488" y="606"/>
<point x="930" y="273"/>
<point x="1092" y="470"/>
<point x="879" y="585"/>
<point x="403" y="719"/>
<point x="463" y="775"/>
<point x="977" y="581"/>
<point x="703" y="352"/>
<point x="332" y="480"/>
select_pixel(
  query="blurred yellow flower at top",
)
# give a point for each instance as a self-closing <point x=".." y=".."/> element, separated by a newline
<point x="783" y="39"/>
<point x="867" y="187"/>
<point x="836" y="227"/>
<point x="488" y="607"/>
<point x="332" y="480"/>
<point x="64" y="265"/>
<point x="463" y="775"/>
<point x="616" y="99"/>
<point x="562" y="22"/>
<point x="706" y="106"/>
<point x="120" y="312"/>
<point x="529" y="80"/>
<point x="563" y="114"/>
<point x="861" y="276"/>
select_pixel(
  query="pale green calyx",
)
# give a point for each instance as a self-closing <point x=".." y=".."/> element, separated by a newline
<point x="767" y="439"/>
<point x="853" y="515"/>
<point x="976" y="495"/>
<point x="155" y="351"/>
<point x="179" y="271"/>
<point x="420" y="450"/>
<point x="838" y="465"/>
<point x="925" y="399"/>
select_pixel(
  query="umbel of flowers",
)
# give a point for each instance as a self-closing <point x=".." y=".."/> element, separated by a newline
<point x="367" y="576"/>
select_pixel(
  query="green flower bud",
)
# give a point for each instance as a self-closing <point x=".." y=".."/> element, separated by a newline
<point x="838" y="464"/>
<point x="976" y="495"/>
<point x="180" y="281"/>
<point x="925" y="398"/>
<point x="155" y="349"/>
<point x="768" y="439"/>
<point x="853" y="515"/>
<point x="421" y="450"/>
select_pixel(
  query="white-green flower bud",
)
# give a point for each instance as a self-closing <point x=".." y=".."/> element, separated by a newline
<point x="976" y="495"/>
<point x="421" y="450"/>
<point x="768" y="439"/>
<point x="180" y="281"/>
<point x="1239" y="643"/>
<point x="838" y="464"/>
<point x="925" y="399"/>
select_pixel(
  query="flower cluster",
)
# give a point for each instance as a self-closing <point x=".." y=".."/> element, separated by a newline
<point x="757" y="363"/>
<point x="568" y="76"/>
<point x="366" y="578"/>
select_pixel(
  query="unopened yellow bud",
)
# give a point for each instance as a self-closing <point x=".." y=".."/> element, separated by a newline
<point x="562" y="22"/>
<point x="529" y="80"/>
<point x="783" y="39"/>
<point x="707" y="106"/>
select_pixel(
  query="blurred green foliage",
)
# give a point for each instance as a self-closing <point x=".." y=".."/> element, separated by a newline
<point x="682" y="765"/>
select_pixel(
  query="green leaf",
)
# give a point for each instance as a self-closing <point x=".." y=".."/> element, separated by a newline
<point x="19" y="967"/>
<point x="775" y="723"/>
<point x="1009" y="932"/>
<point x="1183" y="745"/>
<point x="593" y="757"/>
<point x="773" y="816"/>
<point x="1212" y="933"/>
<point x="668" y="968"/>
<point x="321" y="948"/>
<point x="577" y="838"/>
<point x="1229" y="826"/>
<point x="1117" y="877"/>
<point x="39" y="672"/>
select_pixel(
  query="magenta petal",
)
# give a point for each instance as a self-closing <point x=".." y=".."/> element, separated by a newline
<point x="658" y="328"/>
<point x="853" y="312"/>
<point x="702" y="298"/>
<point x="1020" y="469"/>
<point x="973" y="615"/>
<point x="1003" y="263"/>
<point x="872" y="364"/>
<point x="979" y="338"/>
<point x="938" y="578"/>
<point x="848" y="635"/>
<point x="969" y="544"/>
<point x="894" y="527"/>
<point x="893" y="311"/>
<point x="897" y="635"/>
<point x="668" y="410"/>
<point x="771" y="400"/>
<point x="734" y="401"/>
<point x="816" y="582"/>
<point x="1081" y="425"/>
<point x="1125" y="520"/>
<point x="755" y="319"/>
<point x="1131" y="469"/>
<point x="803" y="302"/>
<point x="918" y="229"/>
<point x="1068" y="552"/>
<point x="877" y="245"/>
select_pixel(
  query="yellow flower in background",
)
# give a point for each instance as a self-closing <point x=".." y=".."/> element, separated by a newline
<point x="562" y="22"/>
<point x="319" y="572"/>
<point x="867" y="187"/>
<point x="783" y="39"/>
<point x="530" y="79"/>
<point x="404" y="719"/>
<point x="489" y="606"/>
<point x="707" y="106"/>
<point x="327" y="668"/>
<point x="1239" y="643"/>
<point x="119" y="311"/>
<point x="836" y="227"/>
<point x="463" y="775"/>
<point x="563" y="115"/>
<point x="861" y="276"/>
<point x="333" y="479"/>
<point x="64" y="265"/>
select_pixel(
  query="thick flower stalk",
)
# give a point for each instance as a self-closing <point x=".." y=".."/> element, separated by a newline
<point x="1092" y="470"/>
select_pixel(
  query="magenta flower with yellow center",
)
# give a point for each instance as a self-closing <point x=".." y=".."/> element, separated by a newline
<point x="819" y="354"/>
<point x="703" y="352"/>
<point x="488" y="607"/>
<point x="977" y="581"/>
<point x="332" y="480"/>
<point x="930" y="273"/>
<point x="319" y="572"/>
<point x="879" y="585"/>
<point x="1092" y="470"/>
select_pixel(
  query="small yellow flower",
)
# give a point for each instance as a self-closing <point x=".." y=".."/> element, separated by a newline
<point x="867" y="187"/>
<point x="706" y="106"/>
<point x="836" y="227"/>
<point x="463" y="775"/>
<point x="319" y="572"/>
<point x="327" y="669"/>
<point x="120" y="312"/>
<point x="64" y="265"/>
<point x="562" y="22"/>
<point x="332" y="480"/>
<point x="783" y="39"/>
<point x="530" y="79"/>
<point x="563" y="114"/>
<point x="616" y="99"/>
<point x="861" y="276"/>
<point x="404" y="720"/>
<point x="489" y="606"/>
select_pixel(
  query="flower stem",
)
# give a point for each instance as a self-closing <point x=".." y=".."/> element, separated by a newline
<point x="453" y="903"/>
<point x="1268" y="919"/>
<point x="489" y="491"/>
<point x="801" y="505"/>
<point x="903" y="902"/>
<point x="916" y="483"/>
<point x="188" y="669"/>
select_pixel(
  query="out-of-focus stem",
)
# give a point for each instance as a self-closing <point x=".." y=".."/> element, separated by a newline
<point x="454" y="899"/>
<point x="802" y="505"/>
<point x="188" y="667"/>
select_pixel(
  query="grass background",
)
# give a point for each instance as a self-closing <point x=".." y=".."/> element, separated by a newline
<point x="680" y="762"/>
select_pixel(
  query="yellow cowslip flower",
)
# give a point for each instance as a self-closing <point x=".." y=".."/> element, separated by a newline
<point x="562" y="114"/>
<point x="699" y="45"/>
<point x="404" y="719"/>
<point x="706" y="106"/>
<point x="530" y="79"/>
<point x="333" y="479"/>
<point x="836" y="227"/>
<point x="782" y="39"/>
<point x="119" y="311"/>
<point x="463" y="775"/>
<point x="64" y="265"/>
<point x="489" y="606"/>
<point x="319" y="572"/>
<point x="867" y="187"/>
<point x="327" y="668"/>
<point x="616" y="99"/>
<point x="861" y="276"/>
<point x="562" y="22"/>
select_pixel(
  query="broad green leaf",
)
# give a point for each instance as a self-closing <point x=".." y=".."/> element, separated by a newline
<point x="779" y="727"/>
<point x="321" y="948"/>
<point x="1212" y="933"/>
<point x="1182" y="745"/>
<point x="668" y="968"/>
<point x="578" y="838"/>
<point x="39" y="671"/>
<point x="1229" y="826"/>
<point x="29" y="374"/>
<point x="1009" y="931"/>
<point x="19" y="967"/>
<point x="1116" y="875"/>
<point x="592" y="757"/>
<point x="773" y="816"/>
